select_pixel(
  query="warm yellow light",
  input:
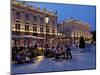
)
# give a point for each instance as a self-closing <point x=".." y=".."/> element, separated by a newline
<point x="50" y="33"/>
<point x="38" y="32"/>
<point x="55" y="33"/>
<point x="40" y="58"/>
<point x="72" y="35"/>
<point x="30" y="31"/>
<point x="13" y="29"/>
<point x="46" y="19"/>
<point x="17" y="30"/>
<point x="39" y="48"/>
<point x="22" y="30"/>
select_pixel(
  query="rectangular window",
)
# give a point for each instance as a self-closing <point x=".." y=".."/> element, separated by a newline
<point x="34" y="28"/>
<point x="41" y="29"/>
<point x="17" y="26"/>
<point x="35" y="18"/>
<point x="53" y="22"/>
<point x="53" y="30"/>
<point x="47" y="29"/>
<point x="41" y="19"/>
<point x="18" y="15"/>
<point x="26" y="27"/>
<point x="26" y="16"/>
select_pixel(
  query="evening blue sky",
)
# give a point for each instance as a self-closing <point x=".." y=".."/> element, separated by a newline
<point x="85" y="13"/>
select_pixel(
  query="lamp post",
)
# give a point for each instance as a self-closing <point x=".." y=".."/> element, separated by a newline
<point x="74" y="38"/>
<point x="46" y="21"/>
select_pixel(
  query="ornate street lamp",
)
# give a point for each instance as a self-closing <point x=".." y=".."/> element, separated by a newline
<point x="46" y="21"/>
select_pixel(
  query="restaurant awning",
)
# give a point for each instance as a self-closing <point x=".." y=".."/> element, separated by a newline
<point x="27" y="36"/>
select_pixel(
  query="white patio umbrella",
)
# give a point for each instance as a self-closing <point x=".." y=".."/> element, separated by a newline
<point x="15" y="36"/>
<point x="30" y="36"/>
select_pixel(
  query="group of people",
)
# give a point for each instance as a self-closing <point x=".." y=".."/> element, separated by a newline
<point x="58" y="52"/>
<point x="24" y="55"/>
<point x="29" y="54"/>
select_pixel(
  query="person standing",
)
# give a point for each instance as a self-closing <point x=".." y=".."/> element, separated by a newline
<point x="53" y="51"/>
<point x="62" y="52"/>
<point x="82" y="44"/>
<point x="68" y="52"/>
<point x="57" y="52"/>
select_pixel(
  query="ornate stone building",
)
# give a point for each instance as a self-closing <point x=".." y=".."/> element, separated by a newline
<point x="30" y="25"/>
<point x="73" y="29"/>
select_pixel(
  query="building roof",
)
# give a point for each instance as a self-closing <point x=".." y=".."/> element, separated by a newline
<point x="73" y="20"/>
<point x="32" y="9"/>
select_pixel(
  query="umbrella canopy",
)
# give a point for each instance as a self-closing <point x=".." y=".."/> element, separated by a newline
<point x="15" y="36"/>
<point x="30" y="36"/>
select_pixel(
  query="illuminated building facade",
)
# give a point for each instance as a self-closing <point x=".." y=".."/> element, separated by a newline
<point x="28" y="25"/>
<point x="74" y="29"/>
<point x="31" y="25"/>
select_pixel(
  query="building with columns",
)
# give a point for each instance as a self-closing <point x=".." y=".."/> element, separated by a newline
<point x="73" y="29"/>
<point x="30" y="25"/>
